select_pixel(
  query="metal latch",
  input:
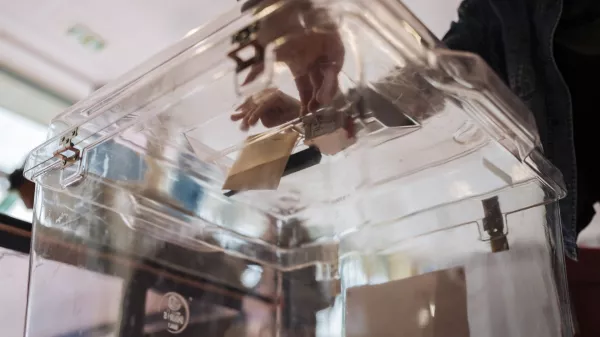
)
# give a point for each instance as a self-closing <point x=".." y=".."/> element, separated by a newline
<point x="247" y="38"/>
<point x="493" y="224"/>
<point x="68" y="153"/>
<point x="330" y="130"/>
<point x="320" y="124"/>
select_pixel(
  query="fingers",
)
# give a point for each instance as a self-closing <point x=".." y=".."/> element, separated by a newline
<point x="325" y="70"/>
<point x="328" y="86"/>
<point x="247" y="105"/>
<point x="305" y="90"/>
<point x="236" y="117"/>
<point x="245" y="112"/>
<point x="316" y="80"/>
<point x="245" y="125"/>
<point x="254" y="116"/>
<point x="325" y="85"/>
<point x="318" y="87"/>
<point x="330" y="68"/>
<point x="249" y="116"/>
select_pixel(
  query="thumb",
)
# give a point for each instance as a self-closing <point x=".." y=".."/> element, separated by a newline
<point x="329" y="86"/>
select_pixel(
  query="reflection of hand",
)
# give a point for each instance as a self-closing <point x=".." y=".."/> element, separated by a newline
<point x="311" y="47"/>
<point x="272" y="107"/>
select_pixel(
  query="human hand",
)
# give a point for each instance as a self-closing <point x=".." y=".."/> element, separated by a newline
<point x="308" y="42"/>
<point x="271" y="106"/>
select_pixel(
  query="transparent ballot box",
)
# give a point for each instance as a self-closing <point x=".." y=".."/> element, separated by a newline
<point x="298" y="168"/>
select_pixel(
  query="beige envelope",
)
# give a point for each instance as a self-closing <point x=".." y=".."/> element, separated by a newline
<point x="428" y="305"/>
<point x="261" y="162"/>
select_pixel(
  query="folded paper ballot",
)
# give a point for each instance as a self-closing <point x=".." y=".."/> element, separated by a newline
<point x="261" y="162"/>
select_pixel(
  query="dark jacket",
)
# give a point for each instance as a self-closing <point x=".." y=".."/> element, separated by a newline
<point x="515" y="37"/>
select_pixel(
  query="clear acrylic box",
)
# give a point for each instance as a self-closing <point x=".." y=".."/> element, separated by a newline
<point x="428" y="211"/>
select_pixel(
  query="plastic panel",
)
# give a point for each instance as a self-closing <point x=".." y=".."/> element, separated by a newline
<point x="445" y="180"/>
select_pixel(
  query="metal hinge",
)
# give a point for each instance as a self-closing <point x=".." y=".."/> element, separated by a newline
<point x="68" y="153"/>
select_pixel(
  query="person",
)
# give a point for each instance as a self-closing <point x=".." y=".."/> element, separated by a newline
<point x="314" y="59"/>
<point x="545" y="51"/>
<point x="23" y="186"/>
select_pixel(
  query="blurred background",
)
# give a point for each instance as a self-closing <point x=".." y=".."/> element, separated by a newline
<point x="55" y="53"/>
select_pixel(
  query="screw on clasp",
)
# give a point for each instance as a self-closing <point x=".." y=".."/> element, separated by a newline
<point x="68" y="153"/>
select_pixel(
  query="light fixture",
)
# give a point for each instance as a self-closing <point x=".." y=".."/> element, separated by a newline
<point x="86" y="37"/>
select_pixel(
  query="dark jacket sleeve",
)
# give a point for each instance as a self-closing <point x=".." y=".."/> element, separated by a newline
<point x="469" y="31"/>
<point x="478" y="31"/>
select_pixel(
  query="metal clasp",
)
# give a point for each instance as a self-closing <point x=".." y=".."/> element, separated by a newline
<point x="247" y="38"/>
<point x="494" y="226"/>
<point x="68" y="153"/>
